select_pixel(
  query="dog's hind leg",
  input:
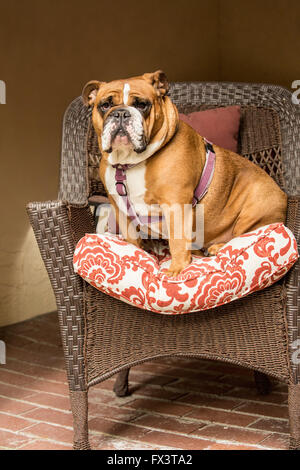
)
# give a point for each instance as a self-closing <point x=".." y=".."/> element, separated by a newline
<point x="213" y="249"/>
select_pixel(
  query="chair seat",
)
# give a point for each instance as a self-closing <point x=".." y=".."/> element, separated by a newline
<point x="246" y="264"/>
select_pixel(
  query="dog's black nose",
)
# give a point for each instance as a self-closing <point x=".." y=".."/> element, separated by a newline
<point x="121" y="114"/>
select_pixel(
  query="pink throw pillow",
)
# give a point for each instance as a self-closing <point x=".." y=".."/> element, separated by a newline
<point x="220" y="125"/>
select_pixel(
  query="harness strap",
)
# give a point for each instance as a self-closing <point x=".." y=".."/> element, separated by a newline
<point x="199" y="193"/>
<point x="120" y="177"/>
<point x="207" y="174"/>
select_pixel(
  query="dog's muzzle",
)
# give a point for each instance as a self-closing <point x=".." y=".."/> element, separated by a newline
<point x="122" y="127"/>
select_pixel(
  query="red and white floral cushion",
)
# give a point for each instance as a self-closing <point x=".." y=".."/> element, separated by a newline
<point x="246" y="264"/>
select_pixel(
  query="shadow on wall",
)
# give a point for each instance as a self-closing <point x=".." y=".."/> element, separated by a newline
<point x="25" y="290"/>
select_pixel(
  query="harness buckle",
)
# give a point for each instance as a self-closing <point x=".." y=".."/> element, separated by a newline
<point x="121" y="188"/>
<point x="209" y="147"/>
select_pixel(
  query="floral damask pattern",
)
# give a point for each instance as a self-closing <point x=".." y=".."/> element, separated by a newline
<point x="246" y="264"/>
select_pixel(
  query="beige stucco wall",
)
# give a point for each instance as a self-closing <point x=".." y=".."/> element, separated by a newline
<point x="48" y="50"/>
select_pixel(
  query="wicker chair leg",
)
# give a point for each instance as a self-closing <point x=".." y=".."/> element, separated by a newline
<point x="79" y="407"/>
<point x="263" y="383"/>
<point x="294" y="413"/>
<point x="121" y="383"/>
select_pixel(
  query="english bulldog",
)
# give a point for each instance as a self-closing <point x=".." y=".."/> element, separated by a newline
<point x="155" y="161"/>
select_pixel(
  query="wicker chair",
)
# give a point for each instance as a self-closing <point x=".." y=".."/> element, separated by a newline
<point x="103" y="336"/>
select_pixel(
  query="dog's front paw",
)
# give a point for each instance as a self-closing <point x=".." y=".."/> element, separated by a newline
<point x="176" y="268"/>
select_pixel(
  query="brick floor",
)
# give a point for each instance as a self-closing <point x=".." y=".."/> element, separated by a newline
<point x="175" y="403"/>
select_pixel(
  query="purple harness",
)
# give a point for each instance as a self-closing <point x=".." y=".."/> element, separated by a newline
<point x="199" y="193"/>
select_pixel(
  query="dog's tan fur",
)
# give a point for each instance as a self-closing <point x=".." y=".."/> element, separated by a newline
<point x="241" y="196"/>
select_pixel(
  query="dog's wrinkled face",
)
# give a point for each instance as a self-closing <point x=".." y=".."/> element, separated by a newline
<point x="128" y="114"/>
<point x="123" y="124"/>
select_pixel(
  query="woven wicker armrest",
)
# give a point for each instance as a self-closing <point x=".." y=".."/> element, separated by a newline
<point x="293" y="215"/>
<point x="292" y="283"/>
<point x="57" y="227"/>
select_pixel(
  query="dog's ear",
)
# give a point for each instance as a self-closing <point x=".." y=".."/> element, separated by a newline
<point x="159" y="81"/>
<point x="90" y="91"/>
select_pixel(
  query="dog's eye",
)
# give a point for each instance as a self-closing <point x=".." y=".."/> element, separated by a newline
<point x="105" y="106"/>
<point x="142" y="105"/>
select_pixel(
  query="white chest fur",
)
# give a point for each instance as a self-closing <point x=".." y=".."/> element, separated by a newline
<point x="135" y="183"/>
<point x="136" y="189"/>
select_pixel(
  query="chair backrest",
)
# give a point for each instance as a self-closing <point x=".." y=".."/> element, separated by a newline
<point x="269" y="134"/>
